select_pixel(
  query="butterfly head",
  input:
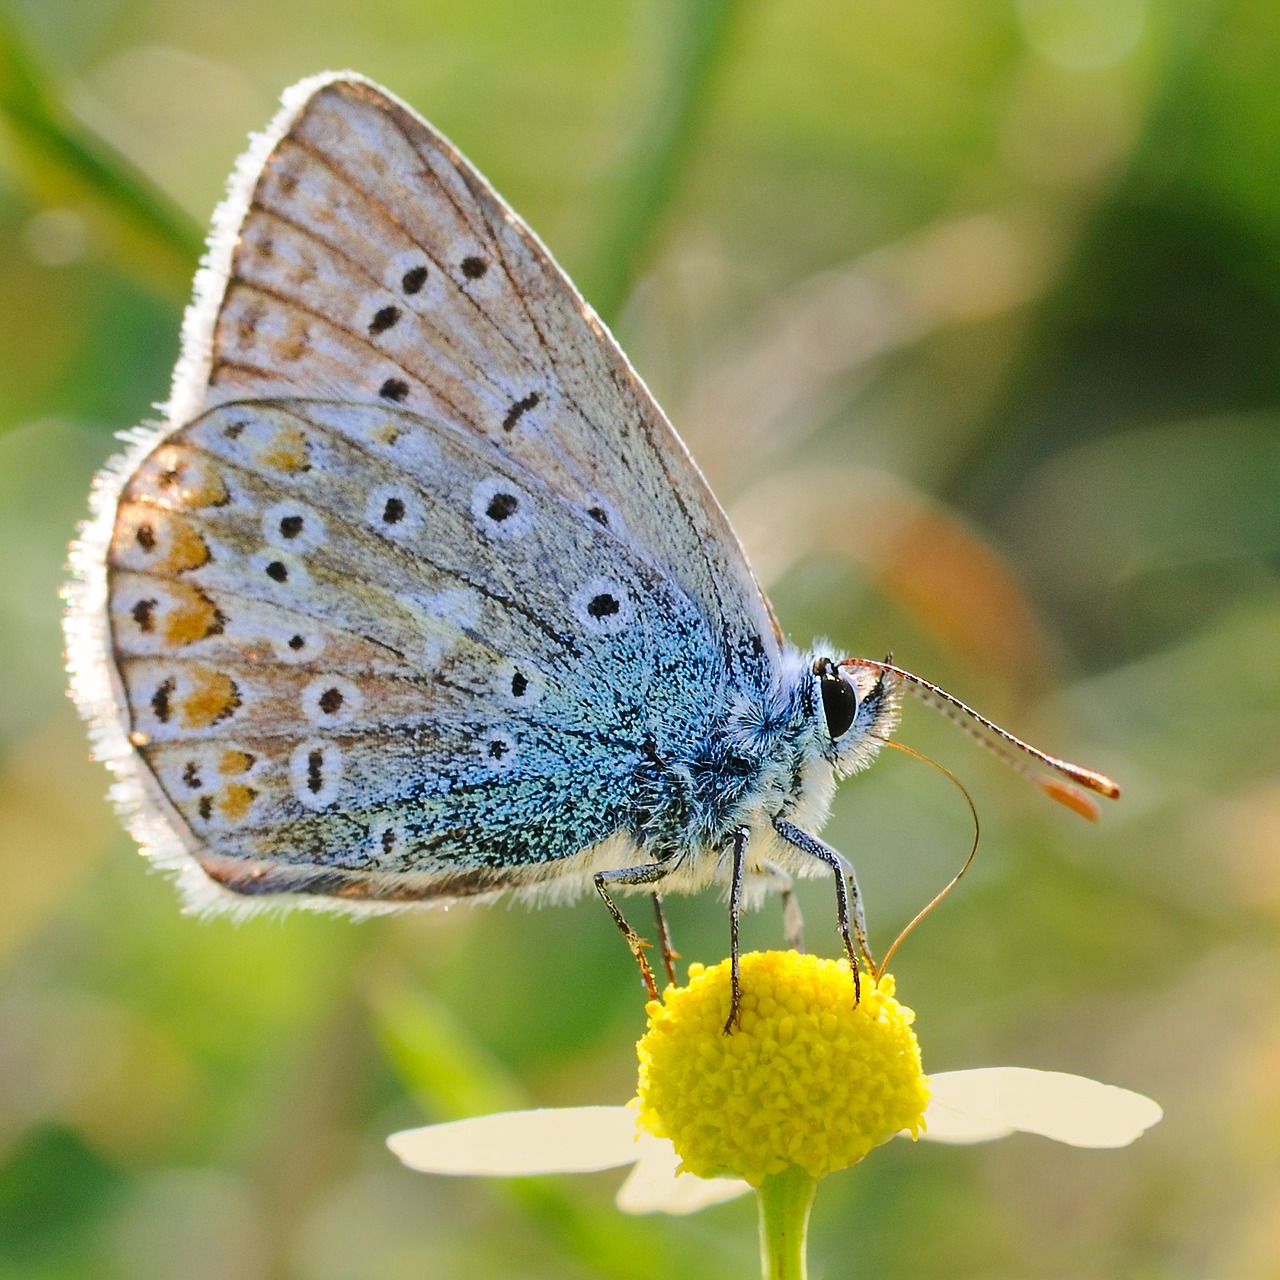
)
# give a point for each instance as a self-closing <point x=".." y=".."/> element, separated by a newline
<point x="856" y="708"/>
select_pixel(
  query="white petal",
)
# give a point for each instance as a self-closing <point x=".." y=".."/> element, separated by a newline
<point x="974" y="1106"/>
<point x="653" y="1186"/>
<point x="513" y="1143"/>
<point x="947" y="1124"/>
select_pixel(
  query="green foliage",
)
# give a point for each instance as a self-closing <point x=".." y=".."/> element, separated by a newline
<point x="969" y="313"/>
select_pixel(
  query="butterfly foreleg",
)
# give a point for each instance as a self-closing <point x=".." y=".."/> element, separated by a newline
<point x="740" y="838"/>
<point x="792" y="920"/>
<point x="846" y="889"/>
<point x="650" y="873"/>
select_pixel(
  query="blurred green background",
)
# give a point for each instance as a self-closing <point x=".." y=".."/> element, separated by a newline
<point x="970" y="313"/>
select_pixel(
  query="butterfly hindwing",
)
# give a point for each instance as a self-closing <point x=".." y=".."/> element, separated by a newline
<point x="377" y="656"/>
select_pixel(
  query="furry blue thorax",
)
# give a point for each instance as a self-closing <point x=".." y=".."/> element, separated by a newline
<point x="761" y="759"/>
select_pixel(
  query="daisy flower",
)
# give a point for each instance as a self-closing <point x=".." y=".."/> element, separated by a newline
<point x="807" y="1084"/>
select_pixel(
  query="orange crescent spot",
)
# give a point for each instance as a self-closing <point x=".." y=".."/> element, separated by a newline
<point x="235" y="762"/>
<point x="191" y="616"/>
<point x="204" y="488"/>
<point x="213" y="697"/>
<point x="184" y="547"/>
<point x="287" y="450"/>
<point x="235" y="800"/>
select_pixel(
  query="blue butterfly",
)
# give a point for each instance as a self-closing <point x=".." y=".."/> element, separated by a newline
<point x="416" y="595"/>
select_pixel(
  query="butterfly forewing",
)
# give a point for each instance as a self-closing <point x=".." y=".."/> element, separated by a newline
<point x="374" y="265"/>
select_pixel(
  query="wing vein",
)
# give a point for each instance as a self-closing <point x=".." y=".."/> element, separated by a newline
<point x="381" y="207"/>
<point x="464" y="365"/>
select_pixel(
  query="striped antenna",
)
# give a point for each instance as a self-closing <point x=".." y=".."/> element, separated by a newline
<point x="1013" y="751"/>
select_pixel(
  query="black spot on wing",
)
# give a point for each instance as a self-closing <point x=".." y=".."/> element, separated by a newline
<point x="501" y="505"/>
<point x="519" y="408"/>
<point x="144" y="615"/>
<point x="384" y="319"/>
<point x="160" y="701"/>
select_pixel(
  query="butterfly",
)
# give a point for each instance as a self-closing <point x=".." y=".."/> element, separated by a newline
<point x="416" y="595"/>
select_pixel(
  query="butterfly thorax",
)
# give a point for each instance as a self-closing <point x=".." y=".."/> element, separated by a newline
<point x="768" y="755"/>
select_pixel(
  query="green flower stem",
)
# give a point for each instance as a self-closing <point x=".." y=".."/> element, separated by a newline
<point x="785" y="1200"/>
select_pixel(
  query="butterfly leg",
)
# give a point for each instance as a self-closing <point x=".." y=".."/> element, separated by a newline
<point x="649" y="874"/>
<point x="735" y="911"/>
<point x="846" y="883"/>
<point x="669" y="954"/>
<point x="792" y="920"/>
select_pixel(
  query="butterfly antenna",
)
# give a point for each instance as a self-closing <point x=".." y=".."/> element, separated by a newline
<point x="1012" y="750"/>
<point x="883" y="966"/>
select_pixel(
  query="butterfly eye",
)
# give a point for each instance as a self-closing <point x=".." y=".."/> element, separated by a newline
<point x="839" y="701"/>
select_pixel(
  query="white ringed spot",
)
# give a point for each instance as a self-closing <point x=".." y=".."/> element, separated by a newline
<point x="498" y="750"/>
<point x="388" y="842"/>
<point x="280" y="571"/>
<point x="473" y="266"/>
<point x="394" y="510"/>
<point x="380" y="315"/>
<point x="519" y="683"/>
<point x="413" y="275"/>
<point x="292" y="526"/>
<point x="300" y="645"/>
<point x="605" y="514"/>
<point x="602" y="606"/>
<point x="331" y="700"/>
<point x="501" y="509"/>
<point x="315" y="773"/>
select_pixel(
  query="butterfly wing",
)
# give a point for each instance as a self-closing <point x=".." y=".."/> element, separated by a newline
<point x="364" y="259"/>
<point x="422" y="571"/>
<point x="352" y="678"/>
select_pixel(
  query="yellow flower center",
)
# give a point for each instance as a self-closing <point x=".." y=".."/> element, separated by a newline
<point x="806" y="1079"/>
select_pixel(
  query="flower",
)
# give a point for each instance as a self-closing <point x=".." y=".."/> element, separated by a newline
<point x="806" y="1082"/>
<point x="808" y="1077"/>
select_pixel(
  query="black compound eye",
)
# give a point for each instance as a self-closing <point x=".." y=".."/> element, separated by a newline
<point x="839" y="702"/>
